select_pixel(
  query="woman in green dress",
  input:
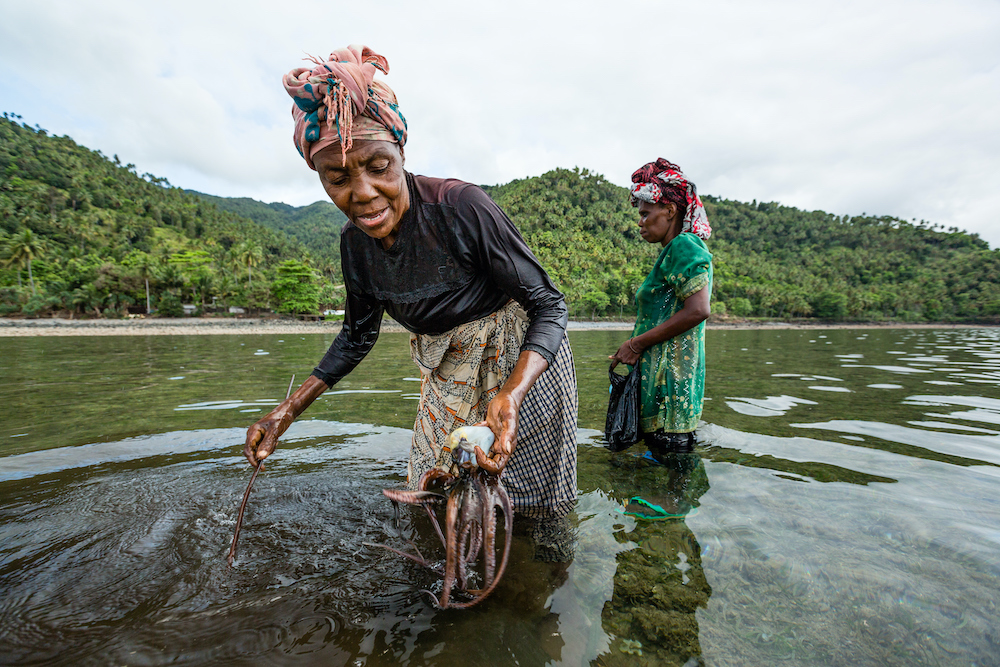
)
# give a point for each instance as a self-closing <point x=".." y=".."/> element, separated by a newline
<point x="668" y="341"/>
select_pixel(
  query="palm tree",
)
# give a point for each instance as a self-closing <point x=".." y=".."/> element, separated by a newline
<point x="622" y="300"/>
<point x="250" y="254"/>
<point x="21" y="249"/>
<point x="146" y="266"/>
<point x="203" y="284"/>
<point x="232" y="260"/>
<point x="88" y="296"/>
<point x="225" y="288"/>
<point x="119" y="303"/>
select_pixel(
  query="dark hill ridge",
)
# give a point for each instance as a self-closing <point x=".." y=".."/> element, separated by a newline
<point x="80" y="232"/>
<point x="316" y="226"/>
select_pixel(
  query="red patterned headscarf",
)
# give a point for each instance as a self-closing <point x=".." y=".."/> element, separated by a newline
<point x="339" y="100"/>
<point x="664" y="180"/>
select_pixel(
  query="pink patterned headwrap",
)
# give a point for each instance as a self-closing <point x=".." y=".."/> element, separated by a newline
<point x="338" y="101"/>
<point x="662" y="179"/>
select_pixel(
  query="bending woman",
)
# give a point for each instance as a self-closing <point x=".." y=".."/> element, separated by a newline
<point x="488" y="328"/>
<point x="668" y="341"/>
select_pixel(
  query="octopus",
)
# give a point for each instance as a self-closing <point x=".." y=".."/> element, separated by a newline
<point x="470" y="497"/>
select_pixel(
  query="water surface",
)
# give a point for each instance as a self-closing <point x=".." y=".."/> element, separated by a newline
<point x="843" y="508"/>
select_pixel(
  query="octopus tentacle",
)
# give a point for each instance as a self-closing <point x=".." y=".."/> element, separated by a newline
<point x="498" y="499"/>
<point x="415" y="559"/>
<point x="412" y="497"/>
<point x="464" y="547"/>
<point x="488" y="530"/>
<point x="435" y="478"/>
<point x="451" y="547"/>
<point x="507" y="506"/>
<point x="436" y="524"/>
<point x="469" y="533"/>
<point x="471" y="511"/>
<point x="423" y="498"/>
<point x="476" y="544"/>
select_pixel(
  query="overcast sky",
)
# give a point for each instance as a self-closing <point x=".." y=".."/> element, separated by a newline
<point x="880" y="107"/>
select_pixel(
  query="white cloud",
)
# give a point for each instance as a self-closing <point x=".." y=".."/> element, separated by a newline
<point x="888" y="108"/>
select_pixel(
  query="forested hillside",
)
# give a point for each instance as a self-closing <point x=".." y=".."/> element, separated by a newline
<point x="316" y="226"/>
<point x="770" y="260"/>
<point x="82" y="234"/>
<point x="779" y="261"/>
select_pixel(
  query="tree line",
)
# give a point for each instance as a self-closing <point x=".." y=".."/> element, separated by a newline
<point x="83" y="235"/>
<point x="770" y="261"/>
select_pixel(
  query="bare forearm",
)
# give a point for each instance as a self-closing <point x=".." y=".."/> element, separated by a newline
<point x="502" y="413"/>
<point x="304" y="396"/>
<point x="530" y="365"/>
<point x="695" y="311"/>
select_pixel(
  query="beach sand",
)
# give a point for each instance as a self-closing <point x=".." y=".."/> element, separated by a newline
<point x="192" y="326"/>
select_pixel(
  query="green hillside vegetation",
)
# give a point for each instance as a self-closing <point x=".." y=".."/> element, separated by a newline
<point x="316" y="226"/>
<point x="82" y="234"/>
<point x="770" y="261"/>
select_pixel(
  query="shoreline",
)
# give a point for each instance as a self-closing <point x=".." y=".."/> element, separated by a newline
<point x="191" y="326"/>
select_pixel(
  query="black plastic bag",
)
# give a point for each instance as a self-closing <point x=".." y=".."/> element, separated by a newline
<point x="621" y="429"/>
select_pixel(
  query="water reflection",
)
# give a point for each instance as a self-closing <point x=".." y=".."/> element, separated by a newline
<point x="659" y="582"/>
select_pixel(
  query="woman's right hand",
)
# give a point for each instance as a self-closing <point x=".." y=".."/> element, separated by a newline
<point x="263" y="436"/>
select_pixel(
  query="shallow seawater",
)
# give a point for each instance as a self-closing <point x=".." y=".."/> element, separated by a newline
<point x="843" y="508"/>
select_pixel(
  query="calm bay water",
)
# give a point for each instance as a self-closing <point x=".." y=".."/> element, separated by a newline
<point x="843" y="509"/>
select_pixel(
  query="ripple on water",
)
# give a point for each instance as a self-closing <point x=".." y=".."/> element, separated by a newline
<point x="149" y="544"/>
<point x="974" y="448"/>
<point x="227" y="405"/>
<point x="954" y="427"/>
<point x="772" y="406"/>
<point x="905" y="370"/>
<point x="128" y="562"/>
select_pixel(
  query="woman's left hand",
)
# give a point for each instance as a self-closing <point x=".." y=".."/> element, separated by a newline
<point x="501" y="414"/>
<point x="626" y="354"/>
<point x="501" y="418"/>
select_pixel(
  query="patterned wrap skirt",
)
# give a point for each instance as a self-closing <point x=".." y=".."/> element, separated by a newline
<point x="462" y="370"/>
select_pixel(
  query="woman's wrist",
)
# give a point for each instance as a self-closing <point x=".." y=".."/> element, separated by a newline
<point x="304" y="396"/>
<point x="631" y="346"/>
<point x="530" y="365"/>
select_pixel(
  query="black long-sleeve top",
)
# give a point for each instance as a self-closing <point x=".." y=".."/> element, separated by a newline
<point x="456" y="258"/>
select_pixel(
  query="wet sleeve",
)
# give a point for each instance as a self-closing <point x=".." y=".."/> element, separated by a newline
<point x="362" y="321"/>
<point x="499" y="247"/>
<point x="691" y="270"/>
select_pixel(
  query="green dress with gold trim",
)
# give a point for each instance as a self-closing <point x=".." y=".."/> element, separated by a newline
<point x="673" y="372"/>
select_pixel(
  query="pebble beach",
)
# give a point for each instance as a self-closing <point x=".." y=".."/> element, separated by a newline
<point x="204" y="326"/>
